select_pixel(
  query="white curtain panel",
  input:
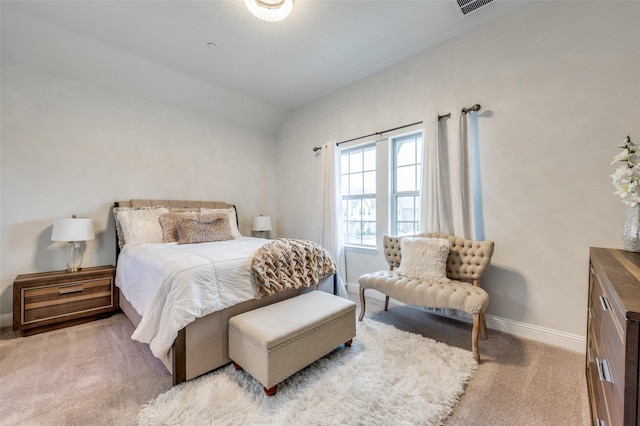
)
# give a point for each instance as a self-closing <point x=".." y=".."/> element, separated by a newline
<point x="332" y="210"/>
<point x="446" y="203"/>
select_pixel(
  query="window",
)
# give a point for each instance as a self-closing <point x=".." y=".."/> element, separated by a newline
<point x="406" y="183"/>
<point x="358" y="170"/>
<point x="381" y="189"/>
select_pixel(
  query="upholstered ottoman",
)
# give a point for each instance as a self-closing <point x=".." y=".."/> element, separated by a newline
<point x="273" y="342"/>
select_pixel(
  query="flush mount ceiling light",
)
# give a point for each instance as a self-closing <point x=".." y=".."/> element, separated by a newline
<point x="270" y="10"/>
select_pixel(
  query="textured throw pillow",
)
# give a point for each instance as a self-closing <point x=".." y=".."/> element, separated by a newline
<point x="191" y="231"/>
<point x="169" y="224"/>
<point x="141" y="226"/>
<point x="231" y="213"/>
<point x="424" y="258"/>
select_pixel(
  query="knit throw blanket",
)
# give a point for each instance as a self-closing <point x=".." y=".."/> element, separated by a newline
<point x="286" y="263"/>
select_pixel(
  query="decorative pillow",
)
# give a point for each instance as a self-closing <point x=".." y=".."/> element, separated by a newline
<point x="141" y="226"/>
<point x="192" y="231"/>
<point x="424" y="258"/>
<point x="169" y="224"/>
<point x="119" y="232"/>
<point x="233" y="221"/>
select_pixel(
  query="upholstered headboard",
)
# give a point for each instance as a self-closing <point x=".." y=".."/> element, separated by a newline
<point x="172" y="203"/>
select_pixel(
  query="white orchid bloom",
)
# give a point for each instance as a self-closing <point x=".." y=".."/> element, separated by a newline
<point x="621" y="173"/>
<point x="621" y="157"/>
<point x="626" y="177"/>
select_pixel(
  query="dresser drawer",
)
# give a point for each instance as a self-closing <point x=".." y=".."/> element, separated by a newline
<point x="596" y="389"/>
<point x="55" y="301"/>
<point x="609" y="363"/>
<point x="604" y="311"/>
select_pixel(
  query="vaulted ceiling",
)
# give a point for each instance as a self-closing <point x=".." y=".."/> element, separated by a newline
<point x="321" y="47"/>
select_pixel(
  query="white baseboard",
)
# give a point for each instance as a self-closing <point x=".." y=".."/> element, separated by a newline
<point x="549" y="336"/>
<point x="6" y="320"/>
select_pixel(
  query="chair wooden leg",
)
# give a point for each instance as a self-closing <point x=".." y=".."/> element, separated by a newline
<point x="474" y="336"/>
<point x="386" y="303"/>
<point x="271" y="391"/>
<point x="485" y="334"/>
<point x="362" y="303"/>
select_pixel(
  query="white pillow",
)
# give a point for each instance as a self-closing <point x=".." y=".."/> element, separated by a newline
<point x="119" y="233"/>
<point x="232" y="218"/>
<point x="424" y="258"/>
<point x="141" y="226"/>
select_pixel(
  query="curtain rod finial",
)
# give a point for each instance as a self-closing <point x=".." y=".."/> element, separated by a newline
<point x="476" y="107"/>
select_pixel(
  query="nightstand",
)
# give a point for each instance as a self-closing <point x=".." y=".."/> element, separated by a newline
<point x="50" y="300"/>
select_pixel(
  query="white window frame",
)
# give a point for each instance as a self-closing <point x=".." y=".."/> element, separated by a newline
<point x="364" y="196"/>
<point x="416" y="193"/>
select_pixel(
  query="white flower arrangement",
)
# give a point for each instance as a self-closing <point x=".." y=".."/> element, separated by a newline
<point x="626" y="178"/>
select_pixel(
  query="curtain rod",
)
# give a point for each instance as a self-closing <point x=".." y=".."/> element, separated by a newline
<point x="464" y="111"/>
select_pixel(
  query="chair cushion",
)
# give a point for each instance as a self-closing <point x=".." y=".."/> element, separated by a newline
<point x="452" y="295"/>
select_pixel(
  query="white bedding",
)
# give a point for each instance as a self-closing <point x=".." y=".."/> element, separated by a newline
<point x="170" y="285"/>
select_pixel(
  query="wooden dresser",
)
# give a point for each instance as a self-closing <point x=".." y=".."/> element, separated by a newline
<point x="50" y="300"/>
<point x="613" y="336"/>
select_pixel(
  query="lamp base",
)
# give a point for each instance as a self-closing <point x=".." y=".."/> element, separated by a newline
<point x="74" y="256"/>
<point x="261" y="234"/>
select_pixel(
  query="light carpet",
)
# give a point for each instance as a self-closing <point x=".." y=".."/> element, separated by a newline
<point x="387" y="376"/>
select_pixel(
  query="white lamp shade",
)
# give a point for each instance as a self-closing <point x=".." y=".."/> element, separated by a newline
<point x="72" y="229"/>
<point x="261" y="223"/>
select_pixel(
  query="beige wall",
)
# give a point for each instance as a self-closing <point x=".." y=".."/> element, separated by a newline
<point x="559" y="89"/>
<point x="72" y="147"/>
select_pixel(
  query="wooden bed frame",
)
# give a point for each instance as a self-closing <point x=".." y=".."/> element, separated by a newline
<point x="202" y="346"/>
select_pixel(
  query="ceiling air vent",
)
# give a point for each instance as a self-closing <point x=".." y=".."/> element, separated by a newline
<point x="465" y="7"/>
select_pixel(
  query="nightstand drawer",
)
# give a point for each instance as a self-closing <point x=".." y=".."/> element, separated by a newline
<point x="56" y="301"/>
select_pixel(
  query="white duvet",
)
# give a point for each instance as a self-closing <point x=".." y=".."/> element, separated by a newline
<point x="170" y="285"/>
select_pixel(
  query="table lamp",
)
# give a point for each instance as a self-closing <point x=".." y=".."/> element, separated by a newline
<point x="73" y="229"/>
<point x="261" y="226"/>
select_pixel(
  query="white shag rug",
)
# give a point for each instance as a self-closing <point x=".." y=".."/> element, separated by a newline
<point x="387" y="377"/>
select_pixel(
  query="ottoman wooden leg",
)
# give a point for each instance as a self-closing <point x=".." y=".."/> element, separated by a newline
<point x="271" y="391"/>
<point x="348" y="343"/>
<point x="236" y="366"/>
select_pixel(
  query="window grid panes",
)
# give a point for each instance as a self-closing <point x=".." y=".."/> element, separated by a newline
<point x="358" y="170"/>
<point x="406" y="182"/>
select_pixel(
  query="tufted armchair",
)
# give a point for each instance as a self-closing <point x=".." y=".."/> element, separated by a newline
<point x="466" y="263"/>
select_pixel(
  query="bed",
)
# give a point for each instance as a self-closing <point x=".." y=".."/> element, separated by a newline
<point x="194" y="340"/>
